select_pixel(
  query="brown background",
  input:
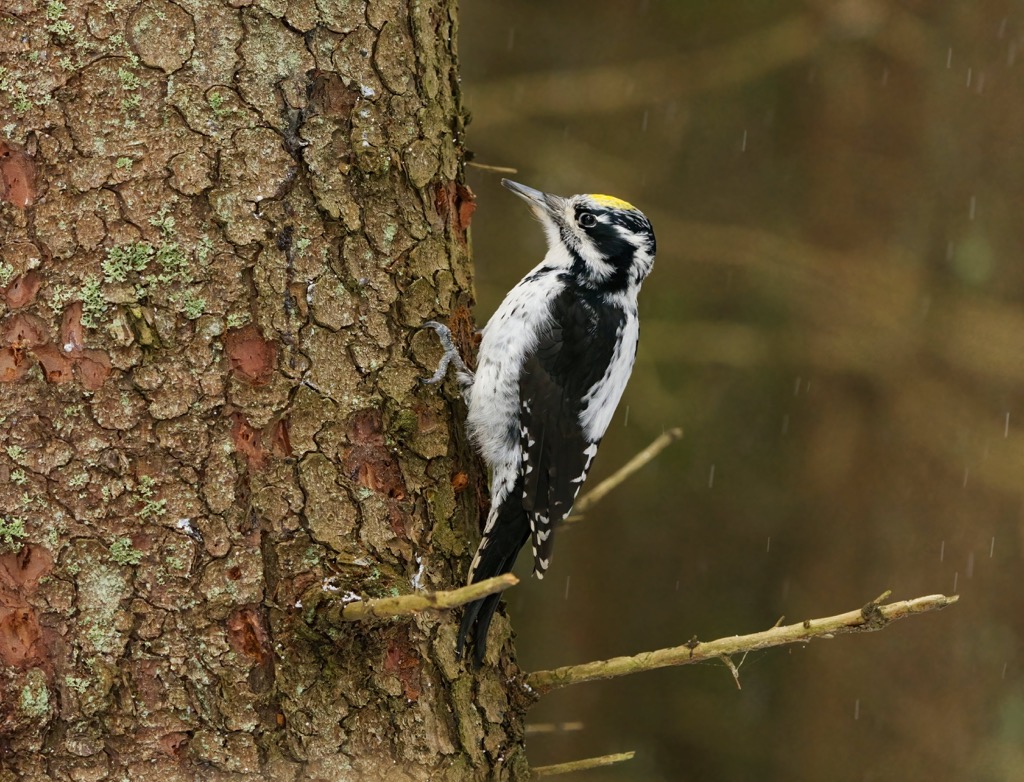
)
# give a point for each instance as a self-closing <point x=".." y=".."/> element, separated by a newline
<point x="835" y="319"/>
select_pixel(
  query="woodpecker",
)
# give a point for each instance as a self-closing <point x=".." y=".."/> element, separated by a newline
<point x="553" y="363"/>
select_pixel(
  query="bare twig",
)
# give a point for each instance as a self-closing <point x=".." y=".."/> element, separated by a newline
<point x="871" y="617"/>
<point x="492" y="169"/>
<point x="582" y="765"/>
<point x="403" y="605"/>
<point x="734" y="669"/>
<point x="553" y="727"/>
<point x="598" y="493"/>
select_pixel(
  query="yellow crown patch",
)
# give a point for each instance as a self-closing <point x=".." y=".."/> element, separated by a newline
<point x="611" y="201"/>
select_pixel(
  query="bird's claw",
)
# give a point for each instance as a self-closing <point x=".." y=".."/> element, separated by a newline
<point x="451" y="353"/>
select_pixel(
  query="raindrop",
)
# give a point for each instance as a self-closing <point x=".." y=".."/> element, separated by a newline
<point x="973" y="207"/>
<point x="856" y="709"/>
<point x="967" y="471"/>
<point x="942" y="552"/>
<point x="968" y="77"/>
<point x="768" y="548"/>
<point x="711" y="477"/>
<point x="992" y="547"/>
<point x="1006" y="427"/>
<point x="677" y="585"/>
<point x="643" y="122"/>
<point x="511" y="42"/>
<point x="625" y="418"/>
<point x="566" y="588"/>
<point x="949" y="57"/>
<point x="1004" y="670"/>
<point x="796" y="387"/>
<point x="785" y="424"/>
<point x="1002" y="28"/>
<point x="950" y="249"/>
<point x="956" y="578"/>
<point x="743" y="144"/>
<point x="970" y="565"/>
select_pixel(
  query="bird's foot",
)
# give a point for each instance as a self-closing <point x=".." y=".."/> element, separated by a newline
<point x="451" y="355"/>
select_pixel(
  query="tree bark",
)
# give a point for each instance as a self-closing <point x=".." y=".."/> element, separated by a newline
<point x="222" y="223"/>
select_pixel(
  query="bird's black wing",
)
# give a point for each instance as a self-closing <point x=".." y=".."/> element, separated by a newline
<point x="571" y="357"/>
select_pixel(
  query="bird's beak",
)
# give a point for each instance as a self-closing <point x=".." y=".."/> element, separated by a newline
<point x="541" y="203"/>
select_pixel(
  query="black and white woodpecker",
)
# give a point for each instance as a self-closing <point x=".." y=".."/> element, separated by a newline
<point x="553" y="363"/>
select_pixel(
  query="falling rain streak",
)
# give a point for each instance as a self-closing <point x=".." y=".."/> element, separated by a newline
<point x="856" y="709"/>
<point x="711" y="477"/>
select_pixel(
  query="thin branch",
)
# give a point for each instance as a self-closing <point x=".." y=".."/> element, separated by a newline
<point x="734" y="669"/>
<point x="598" y="493"/>
<point x="532" y="728"/>
<point x="403" y="605"/>
<point x="871" y="617"/>
<point x="582" y="765"/>
<point x="492" y="169"/>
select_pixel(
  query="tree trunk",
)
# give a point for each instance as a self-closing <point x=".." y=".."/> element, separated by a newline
<point x="222" y="223"/>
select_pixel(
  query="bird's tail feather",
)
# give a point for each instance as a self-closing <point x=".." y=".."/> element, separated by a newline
<point x="497" y="555"/>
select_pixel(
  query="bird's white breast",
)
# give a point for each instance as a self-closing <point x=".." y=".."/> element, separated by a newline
<point x="602" y="399"/>
<point x="509" y="337"/>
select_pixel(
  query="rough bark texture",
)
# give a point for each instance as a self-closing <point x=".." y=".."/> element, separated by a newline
<point x="221" y="223"/>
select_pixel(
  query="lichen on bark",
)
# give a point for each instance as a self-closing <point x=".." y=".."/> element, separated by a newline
<point x="221" y="225"/>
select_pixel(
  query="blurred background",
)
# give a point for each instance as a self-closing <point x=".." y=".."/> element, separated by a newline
<point x="836" y="319"/>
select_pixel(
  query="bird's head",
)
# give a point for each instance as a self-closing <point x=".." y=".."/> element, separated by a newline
<point x="607" y="243"/>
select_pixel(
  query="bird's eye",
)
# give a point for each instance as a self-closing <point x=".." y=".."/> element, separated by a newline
<point x="587" y="220"/>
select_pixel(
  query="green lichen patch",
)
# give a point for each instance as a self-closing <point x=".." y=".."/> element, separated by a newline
<point x="102" y="587"/>
<point x="163" y="272"/>
<point x="123" y="552"/>
<point x="34" y="698"/>
<point x="162" y="35"/>
<point x="12" y="532"/>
